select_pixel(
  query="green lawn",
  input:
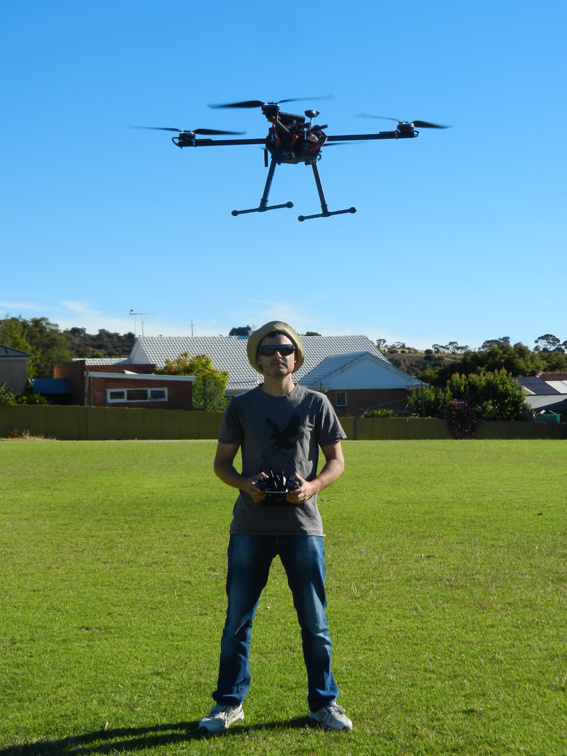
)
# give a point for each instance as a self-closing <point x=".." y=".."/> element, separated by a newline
<point x="447" y="592"/>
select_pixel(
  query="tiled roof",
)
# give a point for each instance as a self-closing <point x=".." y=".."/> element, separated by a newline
<point x="104" y="361"/>
<point x="229" y="353"/>
<point x="559" y="375"/>
<point x="7" y="352"/>
<point x="535" y="386"/>
<point x="321" y="374"/>
<point x="329" y="365"/>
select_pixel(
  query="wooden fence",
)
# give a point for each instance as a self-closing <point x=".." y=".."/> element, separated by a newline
<point x="100" y="423"/>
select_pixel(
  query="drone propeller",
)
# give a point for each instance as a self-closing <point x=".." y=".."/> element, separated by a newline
<point x="260" y="103"/>
<point x="416" y="124"/>
<point x="203" y="132"/>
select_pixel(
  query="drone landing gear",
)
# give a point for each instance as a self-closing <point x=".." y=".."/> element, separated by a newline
<point x="264" y="201"/>
<point x="325" y="212"/>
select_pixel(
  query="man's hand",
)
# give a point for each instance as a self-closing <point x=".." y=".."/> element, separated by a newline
<point x="305" y="491"/>
<point x="331" y="470"/>
<point x="256" y="493"/>
<point x="225" y="470"/>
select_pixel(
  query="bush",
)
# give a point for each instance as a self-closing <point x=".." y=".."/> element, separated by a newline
<point x="379" y="413"/>
<point x="7" y="396"/>
<point x="210" y="386"/>
<point x="30" y="398"/>
<point x="461" y="419"/>
<point x="490" y="396"/>
<point x="428" y="401"/>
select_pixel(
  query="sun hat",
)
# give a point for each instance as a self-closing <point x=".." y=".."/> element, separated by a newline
<point x="255" y="339"/>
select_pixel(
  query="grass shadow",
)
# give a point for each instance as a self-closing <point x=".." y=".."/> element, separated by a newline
<point x="125" y="739"/>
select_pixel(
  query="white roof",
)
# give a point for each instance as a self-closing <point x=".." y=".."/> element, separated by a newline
<point x="229" y="353"/>
<point x="103" y="360"/>
<point x="560" y="386"/>
<point x="360" y="370"/>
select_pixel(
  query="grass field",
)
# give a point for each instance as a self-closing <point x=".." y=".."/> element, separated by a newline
<point x="447" y="595"/>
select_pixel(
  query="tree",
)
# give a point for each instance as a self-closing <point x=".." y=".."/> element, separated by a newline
<point x="490" y="342"/>
<point x="490" y="396"/>
<point x="12" y="334"/>
<point x="41" y="338"/>
<point x="427" y="401"/>
<point x="497" y="354"/>
<point x="210" y="386"/>
<point x="311" y="333"/>
<point x="547" y="343"/>
<point x="102" y="344"/>
<point x="240" y="331"/>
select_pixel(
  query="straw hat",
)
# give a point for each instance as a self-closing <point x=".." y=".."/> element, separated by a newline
<point x="255" y="339"/>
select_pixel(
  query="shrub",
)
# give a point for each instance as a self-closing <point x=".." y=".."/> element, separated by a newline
<point x="461" y="418"/>
<point x="490" y="396"/>
<point x="428" y="401"/>
<point x="31" y="398"/>
<point x="7" y="396"/>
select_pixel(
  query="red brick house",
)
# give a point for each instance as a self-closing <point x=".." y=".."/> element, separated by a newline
<point x="122" y="384"/>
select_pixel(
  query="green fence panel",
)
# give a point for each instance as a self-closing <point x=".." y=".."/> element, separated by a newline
<point x="101" y="423"/>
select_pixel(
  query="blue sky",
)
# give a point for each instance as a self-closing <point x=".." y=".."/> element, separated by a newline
<point x="459" y="234"/>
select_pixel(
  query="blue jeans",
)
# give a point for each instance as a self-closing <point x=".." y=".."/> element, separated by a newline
<point x="249" y="560"/>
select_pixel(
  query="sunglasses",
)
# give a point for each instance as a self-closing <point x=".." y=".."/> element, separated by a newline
<point x="268" y="350"/>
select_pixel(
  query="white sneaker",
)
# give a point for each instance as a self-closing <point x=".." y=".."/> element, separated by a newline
<point x="332" y="717"/>
<point x="221" y="717"/>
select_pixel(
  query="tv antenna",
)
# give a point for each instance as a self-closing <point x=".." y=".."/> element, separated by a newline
<point x="137" y="315"/>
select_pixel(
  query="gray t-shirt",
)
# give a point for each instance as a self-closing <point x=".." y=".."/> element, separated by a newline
<point x="279" y="433"/>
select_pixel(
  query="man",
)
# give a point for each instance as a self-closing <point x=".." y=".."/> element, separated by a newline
<point x="279" y="426"/>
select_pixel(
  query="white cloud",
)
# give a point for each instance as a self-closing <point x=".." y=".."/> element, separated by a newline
<point x="12" y="307"/>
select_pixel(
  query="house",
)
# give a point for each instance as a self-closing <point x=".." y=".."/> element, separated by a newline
<point x="545" y="391"/>
<point x="13" y="368"/>
<point x="120" y="383"/>
<point x="360" y="381"/>
<point x="229" y="353"/>
<point x="351" y="369"/>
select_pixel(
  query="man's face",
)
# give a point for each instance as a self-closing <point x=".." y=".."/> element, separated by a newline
<point x="276" y="364"/>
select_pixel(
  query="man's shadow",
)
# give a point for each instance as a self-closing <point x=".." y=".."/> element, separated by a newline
<point x="126" y="739"/>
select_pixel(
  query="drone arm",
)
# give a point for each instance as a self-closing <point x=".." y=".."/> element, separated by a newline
<point x="226" y="142"/>
<point x="379" y="135"/>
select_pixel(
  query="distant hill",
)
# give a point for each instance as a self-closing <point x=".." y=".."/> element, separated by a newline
<point x="413" y="361"/>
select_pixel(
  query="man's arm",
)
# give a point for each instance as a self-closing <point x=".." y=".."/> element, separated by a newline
<point x="331" y="470"/>
<point x="225" y="470"/>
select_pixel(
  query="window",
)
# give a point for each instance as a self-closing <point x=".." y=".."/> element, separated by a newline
<point x="136" y="395"/>
<point x="341" y="399"/>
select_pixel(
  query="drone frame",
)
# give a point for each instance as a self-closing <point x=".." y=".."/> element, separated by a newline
<point x="292" y="140"/>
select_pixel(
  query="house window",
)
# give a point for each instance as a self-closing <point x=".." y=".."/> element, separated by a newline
<point x="136" y="395"/>
<point x="115" y="396"/>
<point x="341" y="399"/>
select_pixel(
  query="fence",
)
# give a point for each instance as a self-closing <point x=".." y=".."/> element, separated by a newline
<point x="99" y="423"/>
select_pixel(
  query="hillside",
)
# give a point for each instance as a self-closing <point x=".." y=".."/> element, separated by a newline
<point x="413" y="361"/>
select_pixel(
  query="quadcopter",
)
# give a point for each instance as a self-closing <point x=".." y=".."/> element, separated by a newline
<point x="291" y="139"/>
